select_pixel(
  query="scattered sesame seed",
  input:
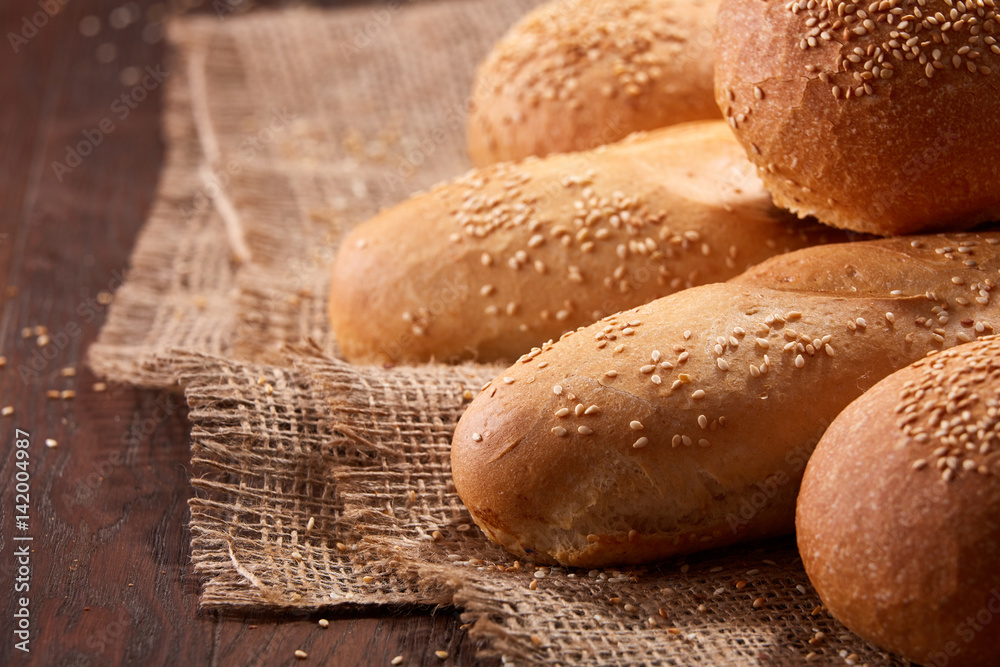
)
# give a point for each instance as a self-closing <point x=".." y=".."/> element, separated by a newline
<point x="476" y="437"/>
<point x="323" y="623"/>
<point x="398" y="660"/>
<point x="800" y="361"/>
<point x="300" y="654"/>
<point x="557" y="390"/>
<point x="698" y="394"/>
<point x="585" y="430"/>
<point x="49" y="442"/>
<point x="7" y="411"/>
<point x="559" y="431"/>
<point x="311" y="523"/>
<point x="636" y="425"/>
<point x="68" y="372"/>
<point x="640" y="443"/>
<point x="722" y="364"/>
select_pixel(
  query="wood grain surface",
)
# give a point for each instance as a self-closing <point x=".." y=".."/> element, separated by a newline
<point x="111" y="581"/>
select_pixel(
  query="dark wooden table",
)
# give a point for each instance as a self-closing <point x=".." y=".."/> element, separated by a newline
<point x="110" y="575"/>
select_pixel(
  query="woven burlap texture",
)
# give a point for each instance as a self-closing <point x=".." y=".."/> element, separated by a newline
<point x="321" y="484"/>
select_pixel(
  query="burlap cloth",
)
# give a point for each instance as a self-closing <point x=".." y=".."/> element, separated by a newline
<point x="320" y="484"/>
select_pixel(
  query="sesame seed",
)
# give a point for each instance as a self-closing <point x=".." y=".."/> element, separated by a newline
<point x="562" y="412"/>
<point x="592" y="410"/>
<point x="611" y="374"/>
<point x="508" y="380"/>
<point x="763" y="344"/>
<point x="649" y="368"/>
<point x="722" y="364"/>
<point x="398" y="660"/>
<point x="800" y="361"/>
<point x="640" y="443"/>
<point x="323" y="623"/>
<point x="7" y="411"/>
<point x="636" y="425"/>
<point x="585" y="430"/>
<point x="703" y="421"/>
<point x="557" y="390"/>
<point x="476" y="437"/>
<point x="99" y="387"/>
<point x="704" y="443"/>
<point x="441" y="654"/>
<point x="890" y="318"/>
<point x="300" y="654"/>
<point x="559" y="431"/>
<point x="49" y="442"/>
<point x="579" y="409"/>
<point x="698" y="394"/>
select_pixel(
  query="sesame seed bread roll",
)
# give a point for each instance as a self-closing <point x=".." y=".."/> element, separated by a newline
<point x="879" y="117"/>
<point x="686" y="423"/>
<point x="510" y="256"/>
<point x="898" y="520"/>
<point x="575" y="74"/>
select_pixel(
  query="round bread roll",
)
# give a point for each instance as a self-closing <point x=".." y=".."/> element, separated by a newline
<point x="898" y="518"/>
<point x="878" y="117"/>
<point x="575" y="74"/>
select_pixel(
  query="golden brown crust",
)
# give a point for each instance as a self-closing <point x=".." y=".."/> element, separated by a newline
<point x="575" y="74"/>
<point x="868" y="125"/>
<point x="732" y="385"/>
<point x="510" y="256"/>
<point x="898" y="520"/>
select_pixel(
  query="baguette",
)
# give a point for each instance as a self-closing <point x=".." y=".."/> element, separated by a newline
<point x="686" y="423"/>
<point x="898" y="520"/>
<point x="575" y="74"/>
<point x="508" y="257"/>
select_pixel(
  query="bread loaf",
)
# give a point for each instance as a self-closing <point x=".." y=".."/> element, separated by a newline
<point x="879" y="117"/>
<point x="508" y="257"/>
<point x="686" y="423"/>
<point x="898" y="521"/>
<point x="574" y="74"/>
